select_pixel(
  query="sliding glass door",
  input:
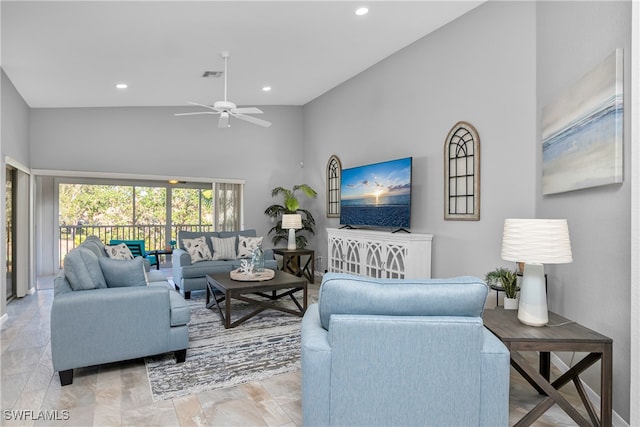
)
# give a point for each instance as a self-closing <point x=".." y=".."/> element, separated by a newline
<point x="143" y="210"/>
<point x="10" y="234"/>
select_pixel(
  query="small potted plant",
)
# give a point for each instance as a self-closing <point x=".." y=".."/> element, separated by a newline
<point x="502" y="279"/>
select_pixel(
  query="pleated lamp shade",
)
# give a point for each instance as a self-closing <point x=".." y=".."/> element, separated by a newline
<point x="290" y="221"/>
<point x="539" y="241"/>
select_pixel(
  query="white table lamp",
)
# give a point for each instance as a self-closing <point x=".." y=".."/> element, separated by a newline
<point x="292" y="222"/>
<point x="535" y="242"/>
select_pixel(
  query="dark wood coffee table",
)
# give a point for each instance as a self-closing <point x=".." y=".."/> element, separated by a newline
<point x="221" y="283"/>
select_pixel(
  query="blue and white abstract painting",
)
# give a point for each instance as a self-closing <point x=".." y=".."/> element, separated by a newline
<point x="582" y="131"/>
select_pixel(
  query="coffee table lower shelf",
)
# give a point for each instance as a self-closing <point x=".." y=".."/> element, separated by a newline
<point x="221" y="288"/>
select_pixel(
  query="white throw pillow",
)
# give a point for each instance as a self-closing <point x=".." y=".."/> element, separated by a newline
<point x="246" y="246"/>
<point x="197" y="248"/>
<point x="224" y="248"/>
<point x="119" y="251"/>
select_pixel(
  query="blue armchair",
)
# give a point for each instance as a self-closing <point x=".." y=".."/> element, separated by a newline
<point x="379" y="352"/>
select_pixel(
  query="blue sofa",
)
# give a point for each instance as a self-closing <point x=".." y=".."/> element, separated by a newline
<point x="106" y="310"/>
<point x="190" y="276"/>
<point x="382" y="352"/>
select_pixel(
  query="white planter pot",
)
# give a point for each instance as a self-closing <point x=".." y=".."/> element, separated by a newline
<point x="510" y="303"/>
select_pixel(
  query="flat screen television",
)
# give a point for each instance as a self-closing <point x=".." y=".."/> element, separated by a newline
<point x="377" y="195"/>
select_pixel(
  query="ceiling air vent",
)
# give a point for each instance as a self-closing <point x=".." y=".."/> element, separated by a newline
<point x="213" y="74"/>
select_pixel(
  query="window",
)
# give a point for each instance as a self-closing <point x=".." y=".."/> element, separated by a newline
<point x="151" y="211"/>
<point x="462" y="173"/>
<point x="334" y="169"/>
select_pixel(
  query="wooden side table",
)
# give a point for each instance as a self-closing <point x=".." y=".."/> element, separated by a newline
<point x="559" y="335"/>
<point x="291" y="262"/>
<point x="157" y="253"/>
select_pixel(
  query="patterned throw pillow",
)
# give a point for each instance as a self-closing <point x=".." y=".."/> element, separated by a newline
<point x="246" y="246"/>
<point x="224" y="248"/>
<point x="197" y="248"/>
<point x="119" y="251"/>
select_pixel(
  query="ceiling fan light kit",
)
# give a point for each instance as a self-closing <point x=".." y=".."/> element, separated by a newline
<point x="227" y="109"/>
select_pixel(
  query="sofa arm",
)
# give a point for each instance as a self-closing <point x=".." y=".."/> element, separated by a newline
<point x="494" y="404"/>
<point x="179" y="258"/>
<point x="316" y="369"/>
<point x="269" y="255"/>
<point x="105" y="325"/>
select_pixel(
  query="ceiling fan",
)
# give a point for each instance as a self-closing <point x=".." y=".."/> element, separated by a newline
<point x="227" y="109"/>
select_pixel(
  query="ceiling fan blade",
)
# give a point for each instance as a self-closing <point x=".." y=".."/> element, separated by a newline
<point x="198" y="112"/>
<point x="246" y="110"/>
<point x="223" y="121"/>
<point x="202" y="105"/>
<point x="253" y="120"/>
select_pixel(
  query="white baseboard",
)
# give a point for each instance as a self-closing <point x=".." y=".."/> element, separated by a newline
<point x="617" y="420"/>
<point x="3" y="318"/>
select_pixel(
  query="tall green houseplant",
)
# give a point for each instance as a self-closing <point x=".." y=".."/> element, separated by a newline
<point x="291" y="205"/>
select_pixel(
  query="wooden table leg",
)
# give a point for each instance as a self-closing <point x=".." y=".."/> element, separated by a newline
<point x="536" y="412"/>
<point x="606" y="384"/>
<point x="227" y="309"/>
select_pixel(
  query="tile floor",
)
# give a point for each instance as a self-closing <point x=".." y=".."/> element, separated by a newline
<point x="118" y="394"/>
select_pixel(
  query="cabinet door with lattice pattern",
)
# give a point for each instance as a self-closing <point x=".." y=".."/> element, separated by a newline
<point x="395" y="261"/>
<point x="352" y="261"/>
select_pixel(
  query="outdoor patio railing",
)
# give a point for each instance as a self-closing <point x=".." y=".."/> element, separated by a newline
<point x="154" y="236"/>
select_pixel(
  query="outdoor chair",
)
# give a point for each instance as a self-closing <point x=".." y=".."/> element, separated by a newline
<point x="137" y="249"/>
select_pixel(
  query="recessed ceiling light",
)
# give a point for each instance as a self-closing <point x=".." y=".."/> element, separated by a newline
<point x="266" y="88"/>
<point x="362" y="11"/>
<point x="122" y="86"/>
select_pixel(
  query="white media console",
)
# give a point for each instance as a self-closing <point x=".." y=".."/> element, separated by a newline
<point x="379" y="254"/>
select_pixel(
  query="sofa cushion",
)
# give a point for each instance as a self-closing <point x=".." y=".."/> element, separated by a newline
<point x="82" y="270"/>
<point x="203" y="268"/>
<point x="198" y="249"/>
<point x="120" y="273"/>
<point x="119" y="251"/>
<point x="246" y="246"/>
<point x="156" y="276"/>
<point x="348" y="294"/>
<point x="224" y="248"/>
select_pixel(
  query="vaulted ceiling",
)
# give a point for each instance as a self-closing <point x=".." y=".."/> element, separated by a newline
<point x="73" y="53"/>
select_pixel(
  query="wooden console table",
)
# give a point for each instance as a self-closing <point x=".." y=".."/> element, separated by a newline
<point x="559" y="335"/>
<point x="291" y="262"/>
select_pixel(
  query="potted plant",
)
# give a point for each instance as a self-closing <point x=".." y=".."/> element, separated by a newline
<point x="291" y="205"/>
<point x="506" y="280"/>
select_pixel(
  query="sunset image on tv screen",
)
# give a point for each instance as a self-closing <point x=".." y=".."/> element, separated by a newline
<point x="377" y="195"/>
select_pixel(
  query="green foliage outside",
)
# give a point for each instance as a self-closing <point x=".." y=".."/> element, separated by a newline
<point x="93" y="207"/>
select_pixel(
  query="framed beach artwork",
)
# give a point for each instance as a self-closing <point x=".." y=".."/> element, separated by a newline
<point x="582" y="131"/>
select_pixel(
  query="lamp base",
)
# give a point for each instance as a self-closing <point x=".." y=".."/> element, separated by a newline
<point x="532" y="309"/>
<point x="291" y="244"/>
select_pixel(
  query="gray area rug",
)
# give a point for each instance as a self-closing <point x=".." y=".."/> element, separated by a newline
<point x="265" y="345"/>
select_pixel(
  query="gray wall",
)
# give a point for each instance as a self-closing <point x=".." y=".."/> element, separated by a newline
<point x="15" y="123"/>
<point x="472" y="70"/>
<point x="151" y="141"/>
<point x="15" y="144"/>
<point x="595" y="289"/>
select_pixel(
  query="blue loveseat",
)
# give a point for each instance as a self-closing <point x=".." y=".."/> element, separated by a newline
<point x="191" y="276"/>
<point x="381" y="352"/>
<point x="106" y="310"/>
